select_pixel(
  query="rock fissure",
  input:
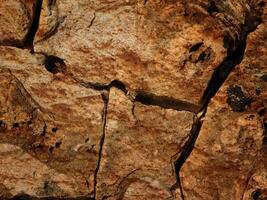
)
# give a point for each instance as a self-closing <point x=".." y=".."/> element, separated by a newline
<point x="92" y="20"/>
<point x="143" y="82"/>
<point x="187" y="149"/>
<point x="34" y="26"/>
<point x="219" y="76"/>
<point x="233" y="58"/>
<point x="105" y="98"/>
<point x="146" y="98"/>
<point x="55" y="64"/>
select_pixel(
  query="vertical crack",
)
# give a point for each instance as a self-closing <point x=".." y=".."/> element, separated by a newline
<point x="105" y="97"/>
<point x="187" y="149"/>
<point x="28" y="44"/>
<point x="92" y="20"/>
<point x="234" y="57"/>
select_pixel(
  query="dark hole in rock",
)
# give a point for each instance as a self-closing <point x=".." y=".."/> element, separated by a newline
<point x="212" y="7"/>
<point x="258" y="92"/>
<point x="261" y="112"/>
<point x="264" y="133"/>
<point x="21" y="197"/>
<point x="51" y="149"/>
<point x="202" y="56"/>
<point x="58" y="143"/>
<point x="264" y="77"/>
<point x="195" y="47"/>
<point x="256" y="194"/>
<point x="15" y="125"/>
<point x="2" y="123"/>
<point x="54" y="129"/>
<point x="54" y="64"/>
<point x="43" y="131"/>
<point x="236" y="99"/>
<point x="87" y="139"/>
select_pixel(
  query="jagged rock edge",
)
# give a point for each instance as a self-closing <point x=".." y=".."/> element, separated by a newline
<point x="218" y="77"/>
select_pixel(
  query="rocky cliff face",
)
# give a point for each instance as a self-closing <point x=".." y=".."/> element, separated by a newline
<point x="133" y="99"/>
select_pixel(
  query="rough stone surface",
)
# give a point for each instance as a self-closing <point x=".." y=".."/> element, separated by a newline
<point x="139" y="144"/>
<point x="228" y="161"/>
<point x="133" y="99"/>
<point x="149" y="46"/>
<point x="55" y="121"/>
<point x="16" y="17"/>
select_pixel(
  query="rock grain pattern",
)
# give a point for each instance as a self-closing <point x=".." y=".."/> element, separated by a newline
<point x="133" y="99"/>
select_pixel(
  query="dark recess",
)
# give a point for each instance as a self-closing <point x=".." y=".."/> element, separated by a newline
<point x="236" y="98"/>
<point x="165" y="102"/>
<point x="256" y="194"/>
<point x="220" y="74"/>
<point x="54" y="64"/>
<point x="28" y="44"/>
<point x="195" y="47"/>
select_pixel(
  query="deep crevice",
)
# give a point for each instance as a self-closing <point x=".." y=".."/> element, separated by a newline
<point x="28" y="44"/>
<point x="101" y="143"/>
<point x="165" y="102"/>
<point x="221" y="73"/>
<point x="186" y="151"/>
<point x="234" y="57"/>
<point x="146" y="98"/>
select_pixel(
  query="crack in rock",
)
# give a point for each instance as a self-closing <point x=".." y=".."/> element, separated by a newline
<point x="144" y="97"/>
<point x="219" y="76"/>
<point x="34" y="26"/>
<point x="105" y="98"/>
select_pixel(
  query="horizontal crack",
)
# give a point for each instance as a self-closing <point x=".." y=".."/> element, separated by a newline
<point x="165" y="102"/>
<point x="146" y="98"/>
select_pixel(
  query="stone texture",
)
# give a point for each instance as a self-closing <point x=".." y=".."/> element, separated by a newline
<point x="100" y="99"/>
<point x="55" y="121"/>
<point x="138" y="148"/>
<point x="16" y="17"/>
<point x="149" y="46"/>
<point x="228" y="160"/>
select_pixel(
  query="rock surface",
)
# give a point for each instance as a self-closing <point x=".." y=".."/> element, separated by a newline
<point x="132" y="99"/>
<point x="16" y="19"/>
<point x="228" y="161"/>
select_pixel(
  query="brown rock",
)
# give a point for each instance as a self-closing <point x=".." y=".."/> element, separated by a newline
<point x="151" y="46"/>
<point x="54" y="122"/>
<point x="227" y="162"/>
<point x="105" y="99"/>
<point x="139" y="145"/>
<point x="16" y="17"/>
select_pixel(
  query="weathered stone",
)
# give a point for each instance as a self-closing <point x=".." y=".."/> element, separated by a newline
<point x="104" y="99"/>
<point x="16" y="17"/>
<point x="227" y="162"/>
<point x="138" y="149"/>
<point x="148" y="46"/>
<point x="55" y="123"/>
